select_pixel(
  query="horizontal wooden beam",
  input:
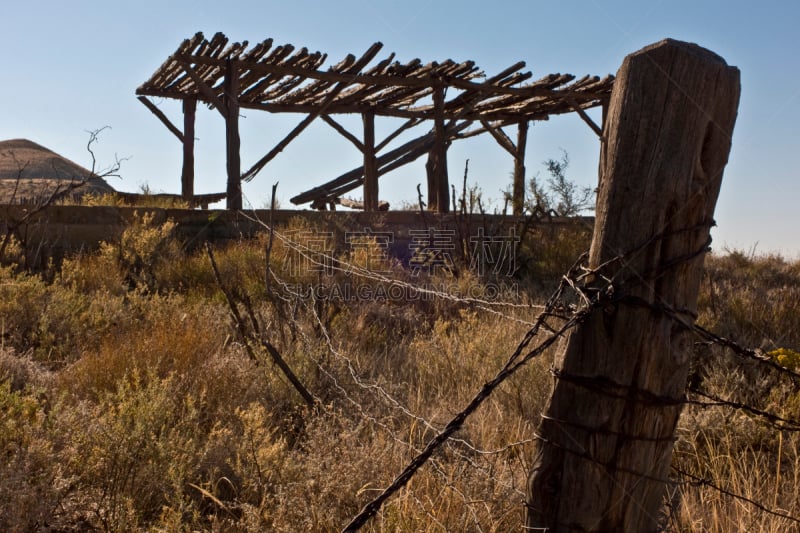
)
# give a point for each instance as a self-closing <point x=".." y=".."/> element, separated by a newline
<point x="198" y="198"/>
<point x="355" y="204"/>
<point x="424" y="114"/>
<point x="534" y="111"/>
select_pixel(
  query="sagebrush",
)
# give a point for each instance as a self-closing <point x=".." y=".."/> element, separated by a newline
<point x="129" y="402"/>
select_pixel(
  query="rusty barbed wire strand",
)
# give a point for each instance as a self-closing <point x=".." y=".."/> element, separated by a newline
<point x="380" y="392"/>
<point x="515" y="361"/>
<point x="778" y="422"/>
<point x="375" y="388"/>
<point x="340" y="265"/>
<point x="699" y="481"/>
<point x="511" y="366"/>
<point x="573" y="282"/>
<point x="435" y="464"/>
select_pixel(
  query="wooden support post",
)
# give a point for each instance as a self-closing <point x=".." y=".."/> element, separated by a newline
<point x="606" y="436"/>
<point x="430" y="173"/>
<point x="438" y="184"/>
<point x="604" y="107"/>
<point x="232" y="142"/>
<point x="370" y="165"/>
<point x="601" y="162"/>
<point x="518" y="193"/>
<point x="187" y="172"/>
<point x="440" y="147"/>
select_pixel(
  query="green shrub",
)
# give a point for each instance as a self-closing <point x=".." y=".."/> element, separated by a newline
<point x="786" y="358"/>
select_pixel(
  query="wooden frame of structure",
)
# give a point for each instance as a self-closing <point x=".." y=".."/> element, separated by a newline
<point x="280" y="79"/>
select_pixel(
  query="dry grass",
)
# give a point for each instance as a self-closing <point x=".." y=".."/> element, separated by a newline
<point x="753" y="300"/>
<point x="128" y="402"/>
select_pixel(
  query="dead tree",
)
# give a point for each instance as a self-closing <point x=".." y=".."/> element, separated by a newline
<point x="606" y="436"/>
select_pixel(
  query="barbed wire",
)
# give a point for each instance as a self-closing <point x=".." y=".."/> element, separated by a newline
<point x="702" y="482"/>
<point x="322" y="260"/>
<point x="518" y="358"/>
<point x="437" y="466"/>
<point x="374" y="388"/>
<point x="589" y="300"/>
<point x="381" y="393"/>
<point x="597" y="300"/>
<point x="777" y="422"/>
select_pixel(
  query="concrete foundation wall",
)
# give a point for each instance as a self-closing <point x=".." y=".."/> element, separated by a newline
<point x="58" y="230"/>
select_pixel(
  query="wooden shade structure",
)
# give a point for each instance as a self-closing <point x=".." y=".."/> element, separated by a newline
<point x="282" y="79"/>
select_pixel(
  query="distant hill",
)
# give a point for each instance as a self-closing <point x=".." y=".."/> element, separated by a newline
<point x="30" y="173"/>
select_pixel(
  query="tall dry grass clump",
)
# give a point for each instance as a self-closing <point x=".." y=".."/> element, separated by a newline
<point x="755" y="301"/>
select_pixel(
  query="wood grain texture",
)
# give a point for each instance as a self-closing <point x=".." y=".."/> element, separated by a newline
<point x="518" y="193"/>
<point x="607" y="432"/>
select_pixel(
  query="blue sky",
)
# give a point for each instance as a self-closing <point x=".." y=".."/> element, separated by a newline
<point x="69" y="67"/>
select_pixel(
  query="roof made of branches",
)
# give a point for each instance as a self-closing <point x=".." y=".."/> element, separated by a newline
<point x="283" y="78"/>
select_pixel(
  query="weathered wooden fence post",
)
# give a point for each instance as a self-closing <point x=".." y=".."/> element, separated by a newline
<point x="607" y="432"/>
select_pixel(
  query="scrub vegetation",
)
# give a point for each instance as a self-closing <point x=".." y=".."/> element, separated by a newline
<point x="131" y="401"/>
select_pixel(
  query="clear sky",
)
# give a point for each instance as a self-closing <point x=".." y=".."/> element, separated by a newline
<point x="69" y="67"/>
